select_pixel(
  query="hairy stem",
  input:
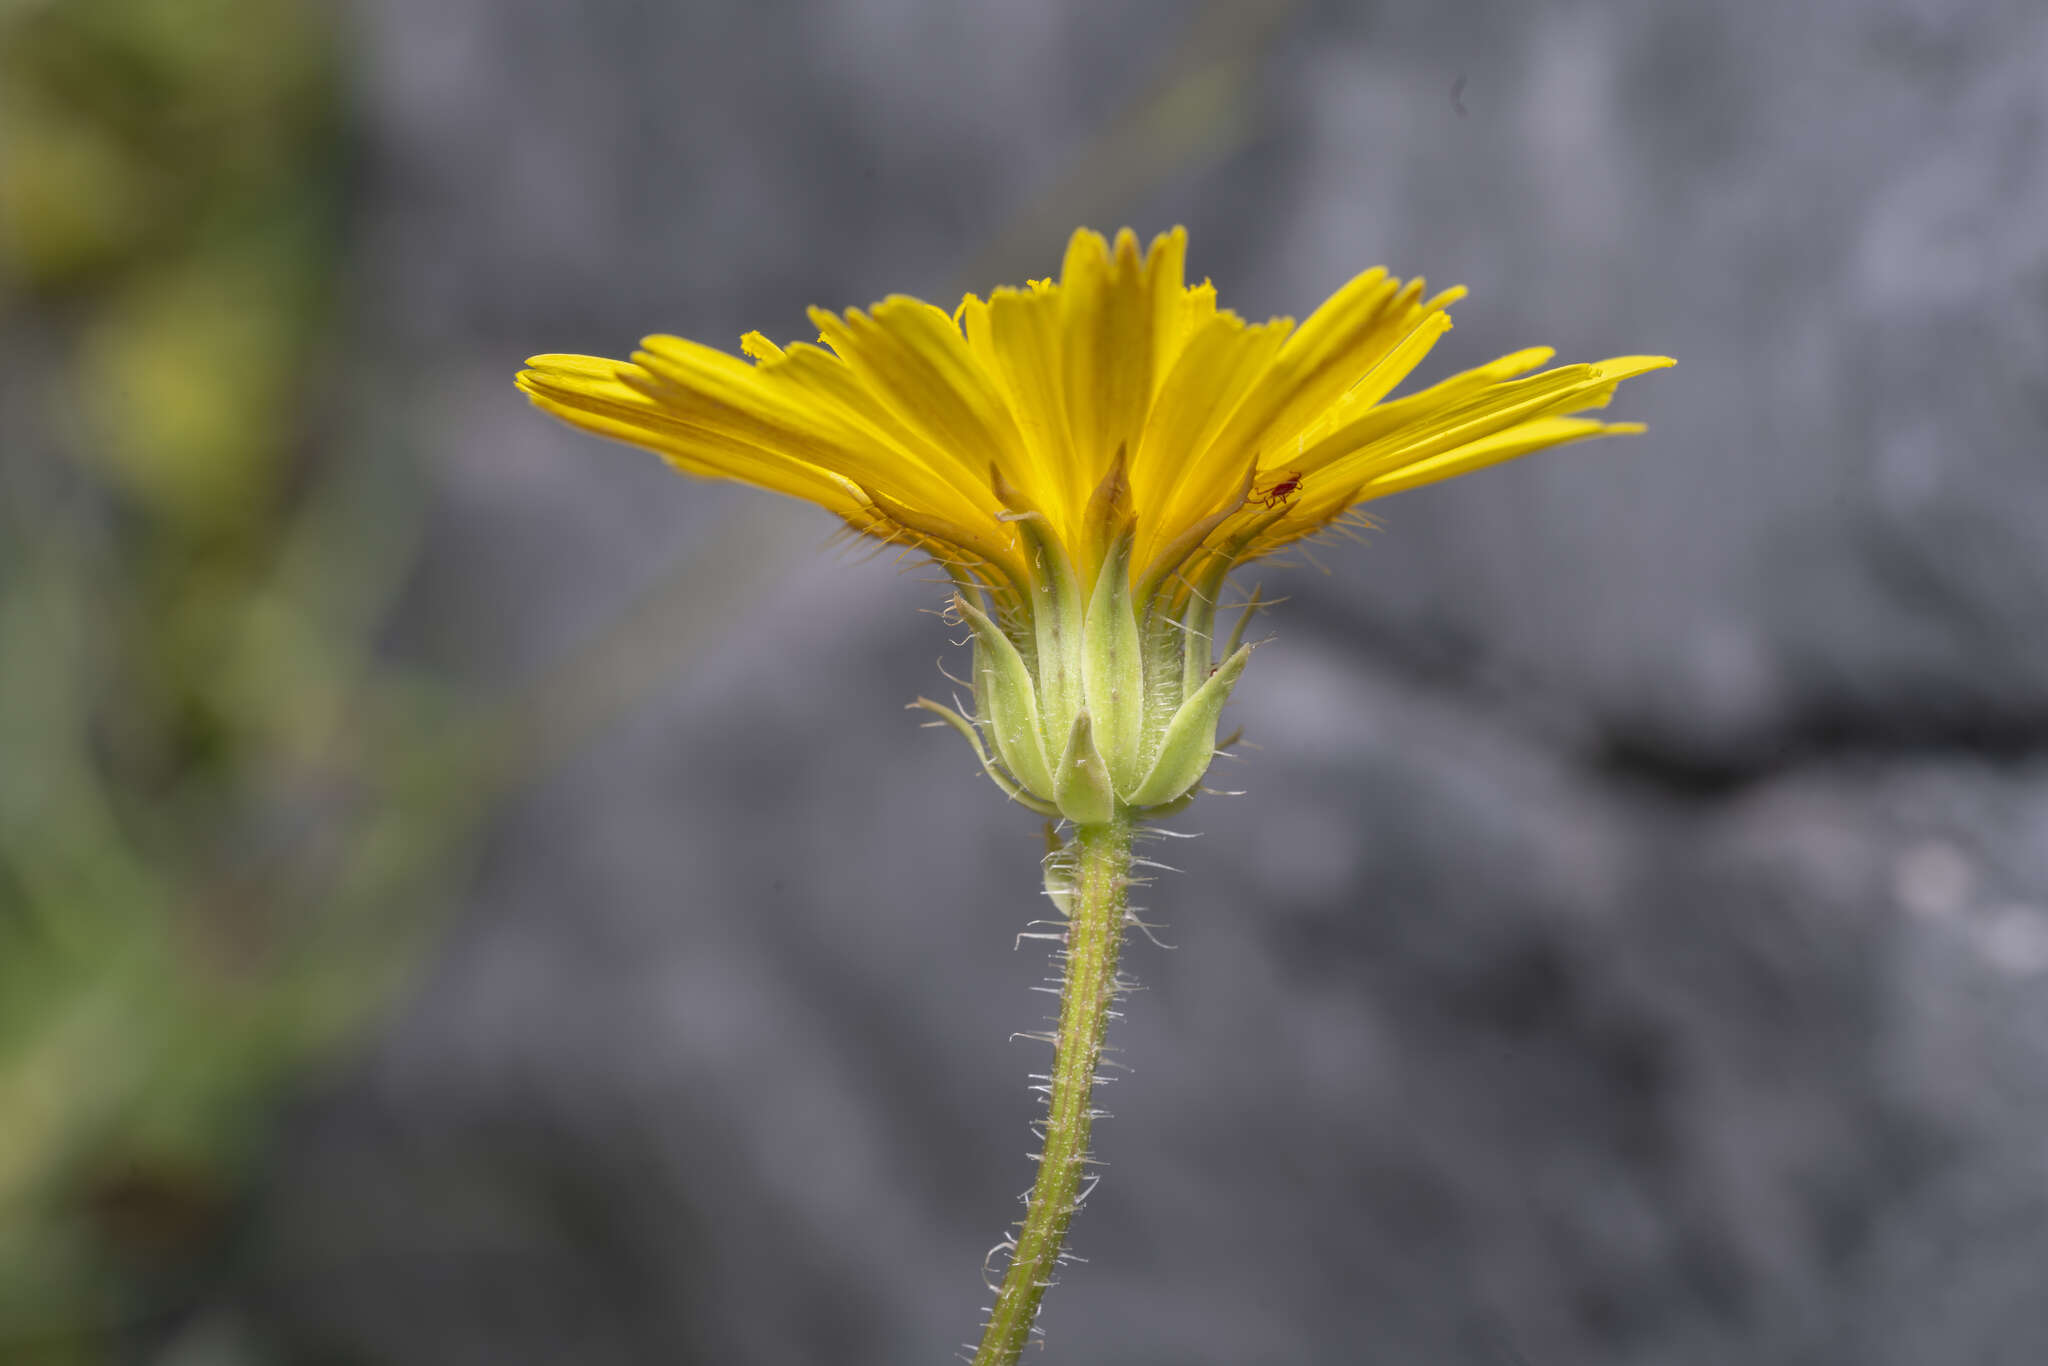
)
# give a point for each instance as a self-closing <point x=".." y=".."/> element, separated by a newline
<point x="1097" y="879"/>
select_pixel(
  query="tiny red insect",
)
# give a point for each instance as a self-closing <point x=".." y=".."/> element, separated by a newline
<point x="1280" y="492"/>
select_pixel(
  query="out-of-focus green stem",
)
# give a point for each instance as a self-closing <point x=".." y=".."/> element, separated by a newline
<point x="1097" y="883"/>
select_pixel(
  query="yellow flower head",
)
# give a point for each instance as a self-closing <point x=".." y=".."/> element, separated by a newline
<point x="1116" y="419"/>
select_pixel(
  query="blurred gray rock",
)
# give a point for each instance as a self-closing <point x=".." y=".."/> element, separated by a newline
<point x="1634" y="946"/>
<point x="1830" y="216"/>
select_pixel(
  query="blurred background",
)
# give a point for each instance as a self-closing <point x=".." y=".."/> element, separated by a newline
<point x="468" y="895"/>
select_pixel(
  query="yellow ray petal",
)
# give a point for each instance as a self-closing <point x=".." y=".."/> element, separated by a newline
<point x="1017" y="335"/>
<point x="580" y="390"/>
<point x="1492" y="450"/>
<point x="1181" y="472"/>
<point x="892" y="454"/>
<point x="1339" y="343"/>
<point x="1349" y="428"/>
<point x="1174" y="315"/>
<point x="1568" y="389"/>
<point x="913" y="357"/>
<point x="1107" y="325"/>
<point x="724" y="394"/>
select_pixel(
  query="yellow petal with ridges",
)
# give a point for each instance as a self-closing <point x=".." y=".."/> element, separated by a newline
<point x="1180" y="472"/>
<point x="940" y="429"/>
<point x="1018" y="337"/>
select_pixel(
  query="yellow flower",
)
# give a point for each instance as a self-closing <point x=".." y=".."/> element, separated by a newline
<point x="1115" y="419"/>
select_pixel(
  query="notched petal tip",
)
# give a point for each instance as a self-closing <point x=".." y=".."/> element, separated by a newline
<point x="567" y="364"/>
<point x="1627" y="367"/>
<point x="1520" y="362"/>
<point x="1087" y="256"/>
<point x="578" y="381"/>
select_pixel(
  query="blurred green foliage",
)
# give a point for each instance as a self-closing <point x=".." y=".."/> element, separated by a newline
<point x="221" y="814"/>
<point x="226" y="815"/>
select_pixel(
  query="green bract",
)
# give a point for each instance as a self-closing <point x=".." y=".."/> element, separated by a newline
<point x="1097" y="704"/>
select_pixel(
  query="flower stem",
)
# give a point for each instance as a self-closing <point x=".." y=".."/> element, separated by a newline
<point x="1099" y="877"/>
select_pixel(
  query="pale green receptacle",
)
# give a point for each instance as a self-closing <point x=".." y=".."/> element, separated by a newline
<point x="1095" y="706"/>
